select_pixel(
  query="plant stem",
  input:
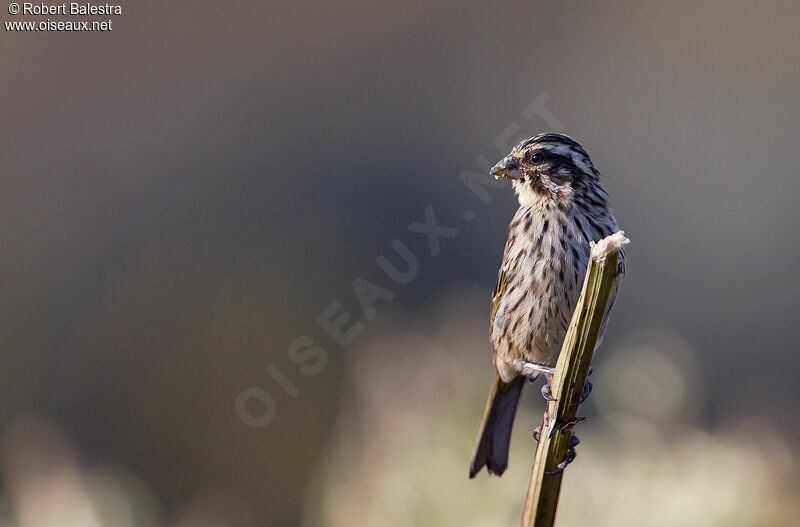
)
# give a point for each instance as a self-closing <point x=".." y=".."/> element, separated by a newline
<point x="568" y="381"/>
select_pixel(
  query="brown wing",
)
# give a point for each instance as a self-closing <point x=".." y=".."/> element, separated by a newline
<point x="499" y="288"/>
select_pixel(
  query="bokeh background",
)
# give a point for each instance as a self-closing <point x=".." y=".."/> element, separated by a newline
<point x="182" y="197"/>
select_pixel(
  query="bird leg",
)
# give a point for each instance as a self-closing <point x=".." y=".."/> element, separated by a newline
<point x="531" y="369"/>
<point x="569" y="458"/>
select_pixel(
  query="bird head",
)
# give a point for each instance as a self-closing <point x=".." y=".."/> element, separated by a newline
<point x="549" y="167"/>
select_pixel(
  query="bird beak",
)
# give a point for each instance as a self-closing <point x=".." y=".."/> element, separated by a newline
<point x="507" y="168"/>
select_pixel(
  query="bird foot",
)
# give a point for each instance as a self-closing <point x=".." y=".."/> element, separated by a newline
<point x="546" y="392"/>
<point x="537" y="432"/>
<point x="561" y="426"/>
<point x="569" y="458"/>
<point x="587" y="391"/>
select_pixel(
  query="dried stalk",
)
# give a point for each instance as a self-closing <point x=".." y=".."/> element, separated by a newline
<point x="568" y="382"/>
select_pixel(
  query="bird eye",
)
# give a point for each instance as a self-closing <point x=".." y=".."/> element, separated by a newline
<point x="537" y="158"/>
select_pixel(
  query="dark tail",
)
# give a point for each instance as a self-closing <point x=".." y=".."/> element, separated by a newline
<point x="495" y="436"/>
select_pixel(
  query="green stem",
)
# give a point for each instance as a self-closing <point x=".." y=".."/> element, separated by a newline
<point x="568" y="381"/>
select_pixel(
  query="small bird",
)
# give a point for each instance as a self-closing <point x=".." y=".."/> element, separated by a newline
<point x="562" y="209"/>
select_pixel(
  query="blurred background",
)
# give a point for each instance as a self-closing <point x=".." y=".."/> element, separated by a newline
<point x="182" y="197"/>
